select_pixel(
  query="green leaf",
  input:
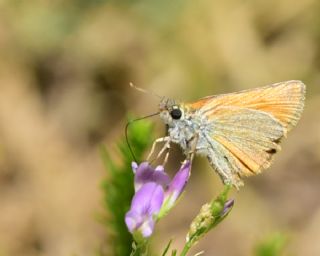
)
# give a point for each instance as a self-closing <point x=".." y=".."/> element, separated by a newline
<point x="167" y="248"/>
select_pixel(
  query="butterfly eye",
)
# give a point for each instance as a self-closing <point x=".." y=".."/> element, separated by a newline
<point x="176" y="113"/>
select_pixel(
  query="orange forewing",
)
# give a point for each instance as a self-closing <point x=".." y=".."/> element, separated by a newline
<point x="283" y="100"/>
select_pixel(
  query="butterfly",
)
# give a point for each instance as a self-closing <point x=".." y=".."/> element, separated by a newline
<point x="239" y="133"/>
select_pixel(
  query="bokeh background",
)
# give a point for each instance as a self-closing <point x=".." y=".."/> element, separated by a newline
<point x="65" y="67"/>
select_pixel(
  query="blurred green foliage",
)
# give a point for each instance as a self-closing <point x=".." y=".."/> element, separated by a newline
<point x="118" y="187"/>
<point x="272" y="246"/>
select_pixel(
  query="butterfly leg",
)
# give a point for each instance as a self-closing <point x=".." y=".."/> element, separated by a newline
<point x="157" y="141"/>
<point x="193" y="146"/>
<point x="166" y="148"/>
<point x="166" y="156"/>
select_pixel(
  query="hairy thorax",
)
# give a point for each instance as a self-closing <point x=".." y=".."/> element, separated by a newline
<point x="191" y="129"/>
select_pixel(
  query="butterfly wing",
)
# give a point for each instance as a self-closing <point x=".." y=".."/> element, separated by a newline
<point x="246" y="127"/>
<point x="283" y="100"/>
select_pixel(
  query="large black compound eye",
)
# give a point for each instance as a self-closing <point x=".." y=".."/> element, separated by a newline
<point x="176" y="113"/>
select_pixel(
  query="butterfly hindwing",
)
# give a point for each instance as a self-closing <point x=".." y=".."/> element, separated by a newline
<point x="249" y="138"/>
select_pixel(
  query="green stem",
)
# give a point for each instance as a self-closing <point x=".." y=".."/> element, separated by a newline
<point x="186" y="248"/>
<point x="141" y="248"/>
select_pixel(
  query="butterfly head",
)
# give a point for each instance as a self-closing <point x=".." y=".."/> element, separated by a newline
<point x="171" y="111"/>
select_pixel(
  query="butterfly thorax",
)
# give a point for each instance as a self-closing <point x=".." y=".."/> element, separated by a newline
<point x="184" y="123"/>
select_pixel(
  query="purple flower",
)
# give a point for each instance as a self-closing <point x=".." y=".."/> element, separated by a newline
<point x="227" y="207"/>
<point x="155" y="196"/>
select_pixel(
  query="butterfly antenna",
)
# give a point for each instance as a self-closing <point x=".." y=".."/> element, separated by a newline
<point x="144" y="91"/>
<point x="126" y="132"/>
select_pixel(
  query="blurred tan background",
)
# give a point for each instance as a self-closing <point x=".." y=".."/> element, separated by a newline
<point x="64" y="73"/>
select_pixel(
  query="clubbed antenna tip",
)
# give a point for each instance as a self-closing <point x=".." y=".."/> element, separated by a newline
<point x="144" y="91"/>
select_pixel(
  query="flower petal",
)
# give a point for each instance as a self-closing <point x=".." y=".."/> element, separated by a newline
<point x="175" y="189"/>
<point x="159" y="168"/>
<point x="227" y="207"/>
<point x="133" y="220"/>
<point x="148" y="199"/>
<point x="178" y="182"/>
<point x="134" y="167"/>
<point x="145" y="205"/>
<point x="147" y="228"/>
<point x="156" y="200"/>
<point x="145" y="173"/>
